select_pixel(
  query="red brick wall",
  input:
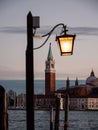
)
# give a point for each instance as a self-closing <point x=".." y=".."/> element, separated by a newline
<point x="49" y="83"/>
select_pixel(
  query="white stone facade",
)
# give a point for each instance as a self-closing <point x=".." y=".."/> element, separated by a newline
<point x="83" y="103"/>
<point x="93" y="103"/>
<point x="21" y="101"/>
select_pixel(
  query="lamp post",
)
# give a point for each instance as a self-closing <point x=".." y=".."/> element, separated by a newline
<point x="29" y="75"/>
<point x="32" y="24"/>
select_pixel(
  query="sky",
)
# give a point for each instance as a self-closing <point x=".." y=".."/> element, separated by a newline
<point x="81" y="18"/>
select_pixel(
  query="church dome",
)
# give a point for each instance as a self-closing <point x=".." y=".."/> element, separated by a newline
<point x="92" y="79"/>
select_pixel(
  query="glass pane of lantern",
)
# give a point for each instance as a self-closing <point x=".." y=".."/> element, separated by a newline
<point x="66" y="44"/>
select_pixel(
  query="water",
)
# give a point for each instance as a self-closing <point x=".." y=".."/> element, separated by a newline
<point x="20" y="86"/>
<point x="78" y="120"/>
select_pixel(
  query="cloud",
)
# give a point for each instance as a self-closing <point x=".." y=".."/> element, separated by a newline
<point x="71" y="30"/>
<point x="84" y="30"/>
<point x="13" y="30"/>
<point x="45" y="29"/>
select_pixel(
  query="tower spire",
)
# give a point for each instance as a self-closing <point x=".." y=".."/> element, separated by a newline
<point x="92" y="73"/>
<point x="50" y="73"/>
<point x="76" y="82"/>
<point x="50" y="55"/>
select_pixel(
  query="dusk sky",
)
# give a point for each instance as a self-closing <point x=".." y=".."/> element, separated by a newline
<point x="81" y="18"/>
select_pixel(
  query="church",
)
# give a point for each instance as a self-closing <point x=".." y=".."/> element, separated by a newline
<point x="81" y="96"/>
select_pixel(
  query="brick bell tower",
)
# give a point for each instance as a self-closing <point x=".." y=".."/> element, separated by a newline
<point x="50" y="73"/>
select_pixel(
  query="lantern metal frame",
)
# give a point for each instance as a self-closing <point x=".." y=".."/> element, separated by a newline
<point x="66" y="36"/>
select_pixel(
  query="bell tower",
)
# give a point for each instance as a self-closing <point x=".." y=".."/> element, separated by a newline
<point x="50" y="73"/>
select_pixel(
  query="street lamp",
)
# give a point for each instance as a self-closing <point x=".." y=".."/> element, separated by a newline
<point x="66" y="43"/>
<point x="32" y="24"/>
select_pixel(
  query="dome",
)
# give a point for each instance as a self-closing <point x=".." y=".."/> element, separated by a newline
<point x="92" y="80"/>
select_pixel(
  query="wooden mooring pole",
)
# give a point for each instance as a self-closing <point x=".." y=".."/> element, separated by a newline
<point x="66" y="105"/>
<point x="57" y="113"/>
<point x="3" y="110"/>
<point x="51" y="118"/>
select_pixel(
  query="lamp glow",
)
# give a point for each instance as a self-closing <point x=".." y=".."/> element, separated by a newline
<point x="66" y="43"/>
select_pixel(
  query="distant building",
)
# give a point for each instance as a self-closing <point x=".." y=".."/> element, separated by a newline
<point x="11" y="98"/>
<point x="84" y="103"/>
<point x="21" y="101"/>
<point x="50" y="74"/>
<point x="47" y="101"/>
<point x="44" y="101"/>
<point x="83" y="96"/>
<point x="92" y="80"/>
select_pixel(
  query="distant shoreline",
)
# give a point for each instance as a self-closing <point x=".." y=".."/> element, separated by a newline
<point x="44" y="109"/>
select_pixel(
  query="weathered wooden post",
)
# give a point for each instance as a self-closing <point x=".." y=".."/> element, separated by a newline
<point x="51" y="118"/>
<point x="30" y="74"/>
<point x="66" y="105"/>
<point x="32" y="23"/>
<point x="3" y="110"/>
<point x="57" y="113"/>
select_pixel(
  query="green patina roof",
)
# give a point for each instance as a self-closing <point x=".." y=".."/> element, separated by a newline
<point x="50" y="55"/>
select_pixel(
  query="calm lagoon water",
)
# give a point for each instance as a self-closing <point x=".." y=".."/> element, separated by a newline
<point x="78" y="120"/>
<point x="39" y="85"/>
